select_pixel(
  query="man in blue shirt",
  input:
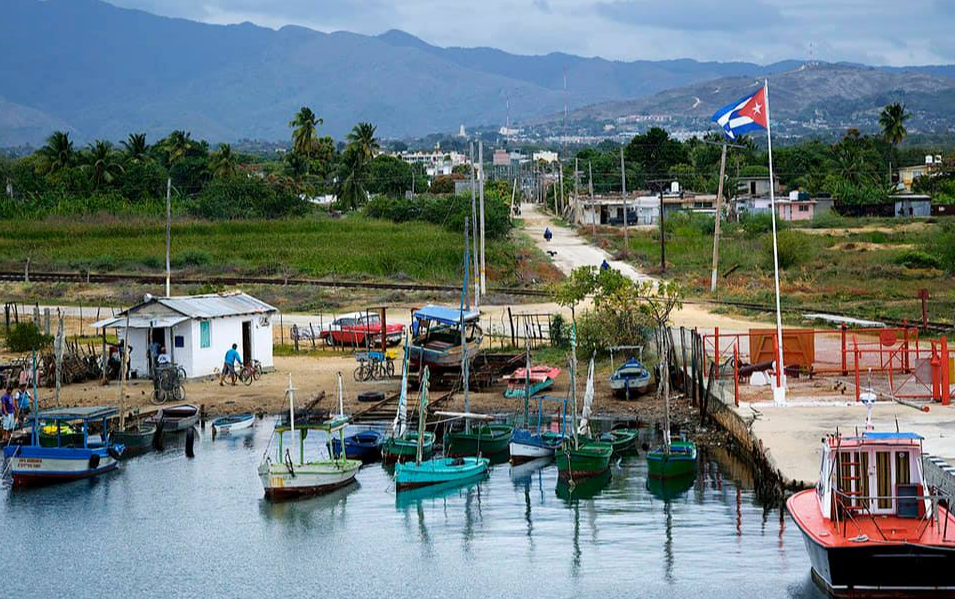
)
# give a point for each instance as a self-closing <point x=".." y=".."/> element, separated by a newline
<point x="7" y="410"/>
<point x="228" y="367"/>
<point x="23" y="403"/>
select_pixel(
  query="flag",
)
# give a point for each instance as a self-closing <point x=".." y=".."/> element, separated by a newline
<point x="744" y="115"/>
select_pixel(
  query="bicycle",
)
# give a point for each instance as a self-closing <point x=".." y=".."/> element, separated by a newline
<point x="250" y="372"/>
<point x="374" y="366"/>
<point x="168" y="384"/>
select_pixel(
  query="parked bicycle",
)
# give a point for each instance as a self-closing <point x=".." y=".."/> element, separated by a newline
<point x="375" y="365"/>
<point x="168" y="384"/>
<point x="250" y="372"/>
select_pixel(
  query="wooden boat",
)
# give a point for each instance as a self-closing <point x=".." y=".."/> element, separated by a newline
<point x="231" y="424"/>
<point x="479" y="439"/>
<point x="177" y="418"/>
<point x="402" y="444"/>
<point x="136" y="438"/>
<point x="535" y="379"/>
<point x="285" y="477"/>
<point x="33" y="464"/>
<point x="527" y="445"/>
<point x="581" y="456"/>
<point x="622" y="439"/>
<point x="437" y="342"/>
<point x="436" y="471"/>
<point x="871" y="525"/>
<point x="631" y="379"/>
<point x="677" y="458"/>
<point x="364" y="446"/>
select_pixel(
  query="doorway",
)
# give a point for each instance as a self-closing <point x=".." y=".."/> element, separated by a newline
<point x="157" y="341"/>
<point x="246" y="341"/>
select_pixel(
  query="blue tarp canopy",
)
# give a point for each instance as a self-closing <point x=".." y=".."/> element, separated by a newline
<point x="79" y="413"/>
<point x="446" y="315"/>
<point x="891" y="436"/>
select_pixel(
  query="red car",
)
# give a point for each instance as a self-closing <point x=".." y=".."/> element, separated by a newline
<point x="352" y="329"/>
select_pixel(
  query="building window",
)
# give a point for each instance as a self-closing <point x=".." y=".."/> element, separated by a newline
<point x="205" y="334"/>
<point x="804" y="208"/>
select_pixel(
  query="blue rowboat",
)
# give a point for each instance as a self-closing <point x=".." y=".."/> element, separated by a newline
<point x="437" y="471"/>
<point x="231" y="424"/>
<point x="631" y="379"/>
<point x="364" y="446"/>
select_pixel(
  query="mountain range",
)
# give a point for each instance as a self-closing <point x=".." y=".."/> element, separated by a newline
<point x="101" y="71"/>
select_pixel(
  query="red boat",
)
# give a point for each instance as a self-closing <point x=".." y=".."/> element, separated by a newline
<point x="541" y="377"/>
<point x="871" y="527"/>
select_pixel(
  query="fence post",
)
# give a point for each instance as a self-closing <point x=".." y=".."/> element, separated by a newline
<point x="295" y="336"/>
<point x="845" y="367"/>
<point x="311" y="330"/>
<point x="935" y="361"/>
<point x="281" y="331"/>
<point x="779" y="367"/>
<point x="855" y="346"/>
<point x="510" y="319"/>
<point x="946" y="367"/>
<point x="716" y="349"/>
<point x="736" y="374"/>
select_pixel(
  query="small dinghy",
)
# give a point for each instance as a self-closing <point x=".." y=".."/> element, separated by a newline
<point x="364" y="446"/>
<point x="623" y="440"/>
<point x="536" y="380"/>
<point x="137" y="438"/>
<point x="231" y="424"/>
<point x="631" y="379"/>
<point x="177" y="418"/>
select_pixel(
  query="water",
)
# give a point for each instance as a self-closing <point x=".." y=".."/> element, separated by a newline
<point x="168" y="526"/>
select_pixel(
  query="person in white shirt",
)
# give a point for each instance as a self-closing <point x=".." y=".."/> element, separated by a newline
<point x="163" y="358"/>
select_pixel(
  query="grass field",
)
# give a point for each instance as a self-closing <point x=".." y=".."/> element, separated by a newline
<point x="852" y="269"/>
<point x="317" y="246"/>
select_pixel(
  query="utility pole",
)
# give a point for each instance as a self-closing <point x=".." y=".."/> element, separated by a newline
<point x="576" y="192"/>
<point x="168" y="233"/>
<point x="477" y="280"/>
<point x="623" y="187"/>
<point x="663" y="236"/>
<point x="719" y="213"/>
<point x="590" y="183"/>
<point x="481" y="208"/>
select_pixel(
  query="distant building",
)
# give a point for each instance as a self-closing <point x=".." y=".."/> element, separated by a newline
<point x="546" y="156"/>
<point x="907" y="175"/>
<point x="798" y="205"/>
<point x="643" y="208"/>
<point x="435" y="162"/>
<point x="754" y="186"/>
<point x="912" y="205"/>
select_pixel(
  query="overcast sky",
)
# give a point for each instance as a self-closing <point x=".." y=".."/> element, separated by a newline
<point x="871" y="31"/>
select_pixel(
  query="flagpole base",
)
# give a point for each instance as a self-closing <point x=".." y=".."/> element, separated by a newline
<point x="779" y="395"/>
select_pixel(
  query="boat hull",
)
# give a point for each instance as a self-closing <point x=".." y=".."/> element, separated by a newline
<point x="230" y="424"/>
<point x="526" y="446"/>
<point x="137" y="439"/>
<point x="364" y="446"/>
<point x="440" y="471"/>
<point x="177" y="418"/>
<point x="622" y="440"/>
<point x="36" y="466"/>
<point x="680" y="461"/>
<point x="306" y="479"/>
<point x="590" y="459"/>
<point x="398" y="450"/>
<point x="631" y="388"/>
<point x="486" y="439"/>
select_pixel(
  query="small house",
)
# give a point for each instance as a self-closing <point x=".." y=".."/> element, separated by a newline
<point x="196" y="330"/>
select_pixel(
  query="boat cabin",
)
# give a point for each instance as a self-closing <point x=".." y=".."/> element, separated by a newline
<point x="71" y="427"/>
<point x="436" y="336"/>
<point x="872" y="474"/>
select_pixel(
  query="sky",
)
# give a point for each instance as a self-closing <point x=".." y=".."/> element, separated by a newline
<point x="876" y="32"/>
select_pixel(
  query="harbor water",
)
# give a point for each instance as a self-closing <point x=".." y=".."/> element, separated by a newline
<point x="169" y="526"/>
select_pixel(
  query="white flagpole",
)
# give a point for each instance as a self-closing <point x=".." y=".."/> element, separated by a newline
<point x="779" y="391"/>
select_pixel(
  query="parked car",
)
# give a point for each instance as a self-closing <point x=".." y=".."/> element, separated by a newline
<point x="352" y="329"/>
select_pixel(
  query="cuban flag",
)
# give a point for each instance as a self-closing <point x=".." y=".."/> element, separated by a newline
<point x="743" y="116"/>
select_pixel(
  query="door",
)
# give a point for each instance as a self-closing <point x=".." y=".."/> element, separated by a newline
<point x="246" y="341"/>
<point x="157" y="341"/>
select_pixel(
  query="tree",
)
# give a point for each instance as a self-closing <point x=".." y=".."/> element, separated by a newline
<point x="177" y="145"/>
<point x="136" y="147"/>
<point x="305" y="124"/>
<point x="350" y="189"/>
<point x="657" y="152"/>
<point x="892" y="120"/>
<point x="58" y="152"/>
<point x="389" y="175"/>
<point x="102" y="164"/>
<point x="223" y="162"/>
<point x="362" y="136"/>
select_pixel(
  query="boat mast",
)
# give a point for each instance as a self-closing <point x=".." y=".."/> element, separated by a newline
<point x="422" y="407"/>
<point x="665" y="373"/>
<point x="122" y="376"/>
<point x="464" y="336"/>
<point x="573" y="381"/>
<point x="401" y="419"/>
<point x="290" y="394"/>
<point x="341" y="395"/>
<point x="527" y="382"/>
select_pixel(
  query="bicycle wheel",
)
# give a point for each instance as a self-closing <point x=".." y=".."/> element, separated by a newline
<point x="159" y="396"/>
<point x="256" y="370"/>
<point x="179" y="393"/>
<point x="180" y="373"/>
<point x="359" y="373"/>
<point x="390" y="368"/>
<point x="246" y="376"/>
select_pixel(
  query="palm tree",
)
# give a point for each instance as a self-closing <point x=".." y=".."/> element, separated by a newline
<point x="177" y="145"/>
<point x="362" y="136"/>
<point x="350" y="189"/>
<point x="136" y="147"/>
<point x="303" y="136"/>
<point x="223" y="162"/>
<point x="58" y="152"/>
<point x="892" y="120"/>
<point x="102" y="164"/>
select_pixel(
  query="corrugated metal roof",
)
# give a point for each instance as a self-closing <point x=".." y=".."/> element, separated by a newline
<point x="216" y="305"/>
<point x="139" y="322"/>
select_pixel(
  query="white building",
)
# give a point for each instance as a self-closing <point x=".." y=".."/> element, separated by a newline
<point x="436" y="162"/>
<point x="546" y="155"/>
<point x="196" y="330"/>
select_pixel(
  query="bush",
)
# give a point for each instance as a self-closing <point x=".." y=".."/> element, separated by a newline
<point x="918" y="259"/>
<point x="191" y="258"/>
<point x="793" y="248"/>
<point x="759" y="223"/>
<point x="242" y="196"/>
<point x="690" y="224"/>
<point x="26" y="336"/>
<point x="559" y="332"/>
<point x="449" y="211"/>
<point x="942" y="246"/>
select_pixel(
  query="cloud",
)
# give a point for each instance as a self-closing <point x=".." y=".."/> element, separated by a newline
<point x="692" y="15"/>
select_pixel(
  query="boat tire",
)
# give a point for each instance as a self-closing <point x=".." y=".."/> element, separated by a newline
<point x="113" y="453"/>
<point x="190" y="442"/>
<point x="94" y="461"/>
<point x="370" y="396"/>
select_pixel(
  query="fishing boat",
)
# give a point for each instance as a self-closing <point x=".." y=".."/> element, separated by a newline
<point x="527" y="445"/>
<point x="363" y="445"/>
<point x="285" y="477"/>
<point x="623" y="440"/>
<point x="402" y="444"/>
<point x="136" y="438"/>
<point x="439" y="470"/>
<point x="437" y="342"/>
<point x="231" y="424"/>
<point x="527" y="382"/>
<point x="631" y="379"/>
<point x="33" y="463"/>
<point x="484" y="438"/>
<point x="177" y="418"/>
<point x="676" y="458"/>
<point x="581" y="456"/>
<point x="872" y="526"/>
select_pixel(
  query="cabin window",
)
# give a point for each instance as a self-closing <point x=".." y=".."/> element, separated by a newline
<point x="862" y="471"/>
<point x="205" y="334"/>
<point x="883" y="479"/>
<point x="903" y="474"/>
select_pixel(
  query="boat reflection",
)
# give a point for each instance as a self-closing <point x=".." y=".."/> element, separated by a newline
<point x="300" y="511"/>
<point x="670" y="488"/>
<point x="522" y="473"/>
<point x="412" y="497"/>
<point x="585" y="489"/>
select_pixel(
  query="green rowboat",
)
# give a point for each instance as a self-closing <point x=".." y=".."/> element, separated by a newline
<point x="404" y="448"/>
<point x="622" y="439"/>
<point x="486" y="439"/>
<point x="679" y="461"/>
<point x="589" y="459"/>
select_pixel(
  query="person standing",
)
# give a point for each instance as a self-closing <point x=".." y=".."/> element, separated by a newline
<point x="228" y="367"/>
<point x="23" y="404"/>
<point x="7" y="413"/>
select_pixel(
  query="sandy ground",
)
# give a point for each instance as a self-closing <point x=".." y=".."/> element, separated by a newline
<point x="839" y="231"/>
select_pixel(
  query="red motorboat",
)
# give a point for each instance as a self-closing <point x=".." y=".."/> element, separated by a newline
<point x="871" y="527"/>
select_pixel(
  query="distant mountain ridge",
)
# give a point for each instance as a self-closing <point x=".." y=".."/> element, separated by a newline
<point x="102" y="72"/>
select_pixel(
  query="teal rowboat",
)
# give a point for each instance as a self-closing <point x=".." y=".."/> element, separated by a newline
<point x="405" y="447"/>
<point x="438" y="471"/>
<point x="483" y="439"/>
<point x="622" y="439"/>
<point x="678" y="461"/>
<point x="585" y="489"/>
<point x="590" y="458"/>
